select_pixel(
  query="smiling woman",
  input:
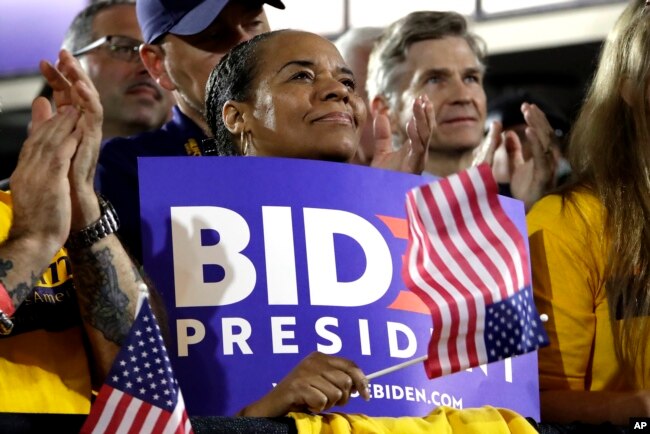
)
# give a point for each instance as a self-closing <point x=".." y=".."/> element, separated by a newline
<point x="302" y="102"/>
<point x="290" y="94"/>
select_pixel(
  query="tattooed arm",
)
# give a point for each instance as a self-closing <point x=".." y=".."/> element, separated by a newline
<point x="22" y="262"/>
<point x="106" y="281"/>
<point x="40" y="199"/>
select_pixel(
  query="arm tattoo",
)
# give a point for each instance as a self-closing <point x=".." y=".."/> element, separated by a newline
<point x="104" y="302"/>
<point x="22" y="290"/>
<point x="5" y="266"/>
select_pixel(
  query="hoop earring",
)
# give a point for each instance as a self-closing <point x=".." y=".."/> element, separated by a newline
<point x="244" y="143"/>
<point x="246" y="139"/>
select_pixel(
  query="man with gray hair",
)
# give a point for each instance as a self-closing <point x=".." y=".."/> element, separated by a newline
<point x="105" y="37"/>
<point x="434" y="53"/>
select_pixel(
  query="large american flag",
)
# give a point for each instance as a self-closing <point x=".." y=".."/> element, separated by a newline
<point x="469" y="264"/>
<point x="140" y="394"/>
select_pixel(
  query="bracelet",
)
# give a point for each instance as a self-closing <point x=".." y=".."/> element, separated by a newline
<point x="6" y="325"/>
<point x="107" y="224"/>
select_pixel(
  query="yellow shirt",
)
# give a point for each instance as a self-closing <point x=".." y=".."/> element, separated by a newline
<point x="567" y="249"/>
<point x="44" y="368"/>
<point x="441" y="420"/>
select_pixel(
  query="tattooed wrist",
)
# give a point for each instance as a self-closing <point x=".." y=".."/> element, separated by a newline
<point x="20" y="292"/>
<point x="103" y="302"/>
<point x="5" y="265"/>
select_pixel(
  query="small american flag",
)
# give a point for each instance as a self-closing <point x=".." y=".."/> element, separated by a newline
<point x="469" y="264"/>
<point x="140" y="394"/>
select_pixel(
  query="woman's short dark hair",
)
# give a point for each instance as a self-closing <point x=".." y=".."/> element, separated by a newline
<point x="232" y="79"/>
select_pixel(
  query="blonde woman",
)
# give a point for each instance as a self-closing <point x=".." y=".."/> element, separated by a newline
<point x="590" y="245"/>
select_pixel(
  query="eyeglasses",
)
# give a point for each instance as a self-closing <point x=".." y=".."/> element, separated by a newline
<point x="119" y="47"/>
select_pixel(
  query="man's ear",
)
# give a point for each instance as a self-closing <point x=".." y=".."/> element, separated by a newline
<point x="233" y="117"/>
<point x="153" y="57"/>
<point x="378" y="106"/>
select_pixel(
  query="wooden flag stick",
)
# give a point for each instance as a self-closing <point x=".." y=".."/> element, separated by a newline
<point x="396" y="367"/>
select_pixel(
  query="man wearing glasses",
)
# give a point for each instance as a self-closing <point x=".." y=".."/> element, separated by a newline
<point x="184" y="40"/>
<point x="105" y="37"/>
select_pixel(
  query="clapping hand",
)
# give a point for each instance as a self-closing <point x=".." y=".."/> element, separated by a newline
<point x="73" y="88"/>
<point x="412" y="155"/>
<point x="529" y="180"/>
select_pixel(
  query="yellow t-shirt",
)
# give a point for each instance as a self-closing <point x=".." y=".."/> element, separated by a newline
<point x="43" y="363"/>
<point x="567" y="250"/>
<point x="441" y="420"/>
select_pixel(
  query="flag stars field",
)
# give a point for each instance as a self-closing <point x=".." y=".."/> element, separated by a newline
<point x="156" y="401"/>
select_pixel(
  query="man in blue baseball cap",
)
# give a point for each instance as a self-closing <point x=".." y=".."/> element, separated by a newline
<point x="184" y="40"/>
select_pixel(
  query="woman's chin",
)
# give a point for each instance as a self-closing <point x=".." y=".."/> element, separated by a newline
<point x="340" y="151"/>
<point x="341" y="155"/>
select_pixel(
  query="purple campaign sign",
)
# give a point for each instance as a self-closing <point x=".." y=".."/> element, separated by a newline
<point x="261" y="261"/>
<point x="32" y="30"/>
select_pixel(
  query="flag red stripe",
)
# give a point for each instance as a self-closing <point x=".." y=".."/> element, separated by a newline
<point x="467" y="295"/>
<point x="118" y="414"/>
<point x="181" y="426"/>
<point x="186" y="423"/>
<point x="433" y="365"/>
<point x="140" y="417"/>
<point x="161" y="423"/>
<point x="481" y="219"/>
<point x="487" y="253"/>
<point x="181" y="416"/>
<point x="97" y="409"/>
<point x="448" y="331"/>
<point x="484" y="215"/>
<point x="449" y="302"/>
<point x="175" y="420"/>
<point x="508" y="226"/>
<point x="469" y="235"/>
<point x="432" y="200"/>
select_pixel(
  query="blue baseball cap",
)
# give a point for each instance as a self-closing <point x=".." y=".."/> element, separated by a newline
<point x="180" y="17"/>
